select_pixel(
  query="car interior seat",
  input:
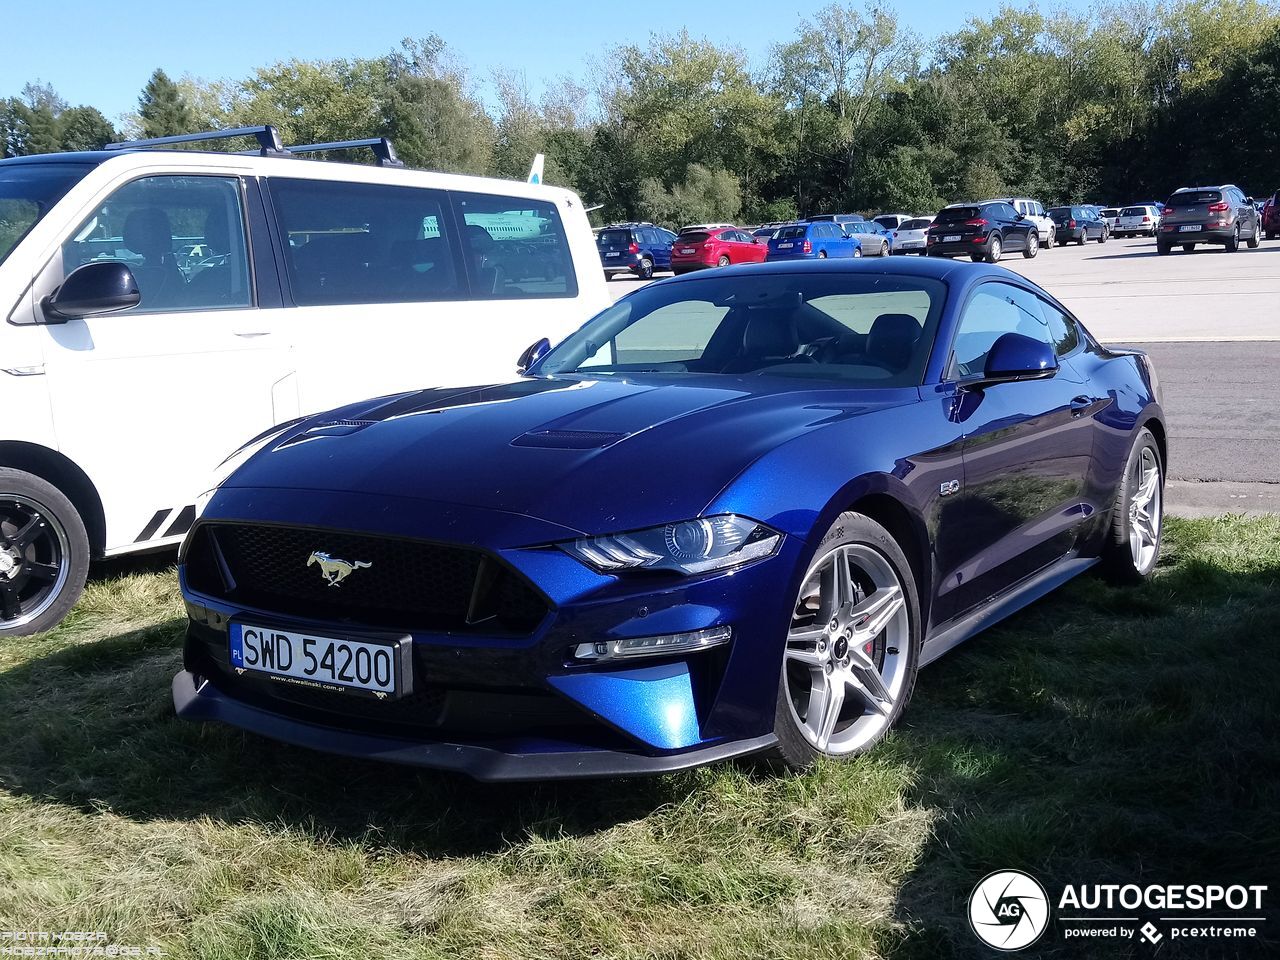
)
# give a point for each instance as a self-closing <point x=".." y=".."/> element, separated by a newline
<point x="891" y="343"/>
<point x="148" y="234"/>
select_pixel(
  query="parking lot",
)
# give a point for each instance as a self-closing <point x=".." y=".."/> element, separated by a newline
<point x="1211" y="320"/>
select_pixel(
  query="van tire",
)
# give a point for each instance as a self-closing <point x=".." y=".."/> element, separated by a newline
<point x="59" y="541"/>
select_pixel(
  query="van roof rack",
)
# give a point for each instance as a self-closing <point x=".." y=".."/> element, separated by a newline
<point x="268" y="138"/>
<point x="382" y="149"/>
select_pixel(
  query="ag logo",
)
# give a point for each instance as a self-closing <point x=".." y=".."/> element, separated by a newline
<point x="1008" y="910"/>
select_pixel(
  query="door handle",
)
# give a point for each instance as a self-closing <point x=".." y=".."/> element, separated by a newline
<point x="1080" y="404"/>
<point x="251" y="334"/>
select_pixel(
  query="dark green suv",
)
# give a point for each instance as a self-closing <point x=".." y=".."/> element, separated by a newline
<point x="1221" y="215"/>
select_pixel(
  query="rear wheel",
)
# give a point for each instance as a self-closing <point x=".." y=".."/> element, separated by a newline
<point x="1033" y="245"/>
<point x="44" y="554"/>
<point x="1084" y="235"/>
<point x="993" y="248"/>
<point x="645" y="269"/>
<point x="723" y="261"/>
<point x="1233" y="244"/>
<point x="1188" y="247"/>
<point x="1102" y="238"/>
<point x="1163" y="249"/>
<point x="853" y="646"/>
<point x="822" y="254"/>
<point x="1137" y="515"/>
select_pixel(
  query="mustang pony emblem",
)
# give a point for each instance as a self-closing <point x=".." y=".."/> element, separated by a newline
<point x="334" y="570"/>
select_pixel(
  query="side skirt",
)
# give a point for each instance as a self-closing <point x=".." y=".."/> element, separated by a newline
<point x="955" y="632"/>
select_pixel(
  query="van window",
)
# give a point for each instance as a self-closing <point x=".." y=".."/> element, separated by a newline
<point x="27" y="192"/>
<point x="515" y="248"/>
<point x="182" y="236"/>
<point x="366" y="243"/>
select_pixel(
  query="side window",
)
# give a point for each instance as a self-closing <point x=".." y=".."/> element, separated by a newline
<point x="183" y="238"/>
<point x="994" y="310"/>
<point x="1064" y="332"/>
<point x="515" y="248"/>
<point x="365" y="243"/>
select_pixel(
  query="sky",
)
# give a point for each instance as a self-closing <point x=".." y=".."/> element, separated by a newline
<point x="101" y="53"/>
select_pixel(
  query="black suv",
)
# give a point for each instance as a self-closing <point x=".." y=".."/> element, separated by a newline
<point x="639" y="248"/>
<point x="1221" y="215"/>
<point x="982" y="231"/>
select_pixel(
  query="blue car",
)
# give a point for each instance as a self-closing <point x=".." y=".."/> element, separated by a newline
<point x="640" y="249"/>
<point x="818" y="240"/>
<point x="734" y="514"/>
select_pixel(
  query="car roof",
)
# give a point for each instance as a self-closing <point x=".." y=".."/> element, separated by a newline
<point x="939" y="268"/>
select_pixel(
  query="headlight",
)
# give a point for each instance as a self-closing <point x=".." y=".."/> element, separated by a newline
<point x="690" y="546"/>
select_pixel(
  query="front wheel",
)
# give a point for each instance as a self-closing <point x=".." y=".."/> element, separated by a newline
<point x="857" y="251"/>
<point x="44" y="554"/>
<point x="1255" y="238"/>
<point x="1033" y="245"/>
<point x="1137" y="515"/>
<point x="884" y="249"/>
<point x="853" y="646"/>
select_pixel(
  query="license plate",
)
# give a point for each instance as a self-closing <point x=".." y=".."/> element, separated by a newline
<point x="327" y="663"/>
<point x="951" y="239"/>
<point x="1191" y="229"/>
<point x="615" y="253"/>
<point x="785" y="246"/>
<point x="687" y="250"/>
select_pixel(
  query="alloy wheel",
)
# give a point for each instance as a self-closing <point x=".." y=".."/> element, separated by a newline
<point x="33" y="560"/>
<point x="846" y="663"/>
<point x="1145" y="515"/>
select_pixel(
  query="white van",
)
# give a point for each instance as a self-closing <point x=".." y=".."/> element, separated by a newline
<point x="162" y="306"/>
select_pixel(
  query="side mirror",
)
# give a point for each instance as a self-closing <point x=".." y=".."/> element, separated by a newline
<point x="1249" y="201"/>
<point x="107" y="286"/>
<point x="1020" y="216"/>
<point x="532" y="354"/>
<point x="1017" y="357"/>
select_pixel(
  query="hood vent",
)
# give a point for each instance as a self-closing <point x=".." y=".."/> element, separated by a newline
<point x="331" y="428"/>
<point x="568" y="439"/>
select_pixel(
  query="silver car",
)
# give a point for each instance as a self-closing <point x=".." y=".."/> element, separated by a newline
<point x="1140" y="220"/>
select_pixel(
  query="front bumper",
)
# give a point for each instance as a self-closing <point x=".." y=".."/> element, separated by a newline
<point x="517" y="706"/>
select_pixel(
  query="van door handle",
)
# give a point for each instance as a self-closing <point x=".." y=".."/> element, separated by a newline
<point x="250" y="334"/>
<point x="1080" y="404"/>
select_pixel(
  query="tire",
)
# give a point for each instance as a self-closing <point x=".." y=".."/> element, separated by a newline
<point x="607" y="276"/>
<point x="857" y="251"/>
<point x="1233" y="244"/>
<point x="1188" y="247"/>
<point x="1130" y="553"/>
<point x="1163" y="249"/>
<point x="1255" y="238"/>
<point x="1033" y="245"/>
<point x="1103" y="236"/>
<point x="822" y="254"/>
<point x="884" y="249"/>
<point x="645" y="271"/>
<point x="1050" y="240"/>
<point x="1084" y="236"/>
<point x="814" y="654"/>
<point x="723" y="261"/>
<point x="44" y="554"/>
<point x="993" y="249"/>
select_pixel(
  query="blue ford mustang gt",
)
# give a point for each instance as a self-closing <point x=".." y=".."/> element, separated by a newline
<point x="733" y="514"/>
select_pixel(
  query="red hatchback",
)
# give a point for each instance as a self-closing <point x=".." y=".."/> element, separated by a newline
<point x="696" y="249"/>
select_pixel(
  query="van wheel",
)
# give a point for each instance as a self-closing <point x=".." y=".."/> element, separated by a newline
<point x="44" y="554"/>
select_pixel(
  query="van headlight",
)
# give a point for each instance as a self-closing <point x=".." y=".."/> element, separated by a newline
<point x="688" y="546"/>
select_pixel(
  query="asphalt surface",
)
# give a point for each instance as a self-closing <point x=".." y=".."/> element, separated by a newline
<point x="1211" y="322"/>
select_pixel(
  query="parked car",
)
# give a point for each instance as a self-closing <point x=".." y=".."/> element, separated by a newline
<point x="695" y="249"/>
<point x="452" y="578"/>
<point x="982" y="231"/>
<point x="641" y="249"/>
<point x="1220" y="215"/>
<point x="766" y="231"/>
<point x="876" y="240"/>
<point x="1079" y="223"/>
<point x="705" y="226"/>
<point x="1137" y="221"/>
<point x="912" y="236"/>
<point x="812" y="241"/>
<point x="892" y="221"/>
<point x="1034" y="211"/>
<point x="126" y="383"/>
<point x="841" y="218"/>
<point x="1271" y="216"/>
<point x="1110" y="216"/>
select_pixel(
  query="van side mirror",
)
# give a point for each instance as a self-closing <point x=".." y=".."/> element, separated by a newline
<point x="106" y="286"/>
<point x="532" y="354"/>
<point x="1017" y="357"/>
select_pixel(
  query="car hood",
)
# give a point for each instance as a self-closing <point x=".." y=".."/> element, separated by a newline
<point x="592" y="454"/>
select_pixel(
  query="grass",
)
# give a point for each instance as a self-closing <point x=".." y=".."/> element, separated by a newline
<point x="1103" y="735"/>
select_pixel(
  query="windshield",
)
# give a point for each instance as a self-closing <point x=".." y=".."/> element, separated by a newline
<point x="27" y="192"/>
<point x="856" y="329"/>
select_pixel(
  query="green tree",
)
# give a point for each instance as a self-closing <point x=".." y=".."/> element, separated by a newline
<point x="84" y="128"/>
<point x="162" y="110"/>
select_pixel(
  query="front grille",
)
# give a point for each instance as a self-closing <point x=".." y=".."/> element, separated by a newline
<point x="407" y="585"/>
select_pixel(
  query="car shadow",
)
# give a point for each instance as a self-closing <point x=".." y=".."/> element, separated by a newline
<point x="92" y="726"/>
